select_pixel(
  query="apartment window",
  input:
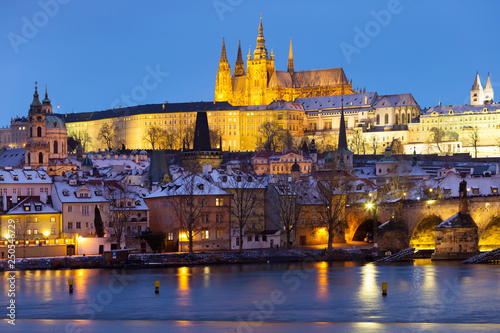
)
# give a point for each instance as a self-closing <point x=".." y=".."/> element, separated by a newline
<point x="70" y="225"/>
<point x="219" y="201"/>
<point x="219" y="234"/>
<point x="85" y="210"/>
<point x="219" y="218"/>
<point x="53" y="231"/>
<point x="70" y="209"/>
<point x="28" y="232"/>
<point x="28" y="219"/>
<point x="170" y="236"/>
<point x="78" y="225"/>
<point x="35" y="219"/>
<point x="205" y="234"/>
<point x="35" y="231"/>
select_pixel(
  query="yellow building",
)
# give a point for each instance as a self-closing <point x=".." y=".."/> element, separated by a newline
<point x="262" y="83"/>
<point x="238" y="126"/>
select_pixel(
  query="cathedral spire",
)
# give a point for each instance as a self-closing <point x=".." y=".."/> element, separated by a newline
<point x="477" y="83"/>
<point x="290" y="59"/>
<point x="488" y="91"/>
<point x="239" y="68"/>
<point x="223" y="57"/>
<point x="260" y="51"/>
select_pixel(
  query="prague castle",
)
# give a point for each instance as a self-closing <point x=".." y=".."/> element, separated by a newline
<point x="262" y="83"/>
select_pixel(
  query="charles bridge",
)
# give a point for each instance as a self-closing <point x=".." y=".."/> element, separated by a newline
<point x="419" y="218"/>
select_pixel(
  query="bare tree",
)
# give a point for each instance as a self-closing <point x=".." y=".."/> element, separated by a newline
<point x="357" y="141"/>
<point x="269" y="135"/>
<point x="167" y="139"/>
<point x="184" y="135"/>
<point x="472" y="138"/>
<point x="215" y="136"/>
<point x="247" y="202"/>
<point x="334" y="202"/>
<point x="188" y="206"/>
<point x="374" y="143"/>
<point x="107" y="135"/>
<point x="153" y="135"/>
<point x="121" y="204"/>
<point x="287" y="205"/>
<point x="437" y="137"/>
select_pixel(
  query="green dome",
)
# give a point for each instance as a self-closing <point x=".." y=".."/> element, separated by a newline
<point x="87" y="162"/>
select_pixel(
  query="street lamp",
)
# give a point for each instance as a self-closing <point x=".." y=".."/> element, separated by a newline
<point x="46" y="237"/>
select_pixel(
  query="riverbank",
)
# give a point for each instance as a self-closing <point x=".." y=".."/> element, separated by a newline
<point x="149" y="260"/>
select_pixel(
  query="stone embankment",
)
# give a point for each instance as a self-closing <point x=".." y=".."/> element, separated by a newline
<point x="149" y="260"/>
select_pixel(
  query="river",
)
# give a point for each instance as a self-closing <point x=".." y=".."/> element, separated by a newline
<point x="296" y="297"/>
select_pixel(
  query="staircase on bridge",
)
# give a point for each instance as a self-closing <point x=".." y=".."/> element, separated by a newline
<point x="403" y="255"/>
<point x="490" y="257"/>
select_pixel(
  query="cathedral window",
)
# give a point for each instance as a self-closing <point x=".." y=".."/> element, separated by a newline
<point x="386" y="119"/>
<point x="39" y="131"/>
<point x="40" y="157"/>
<point x="56" y="147"/>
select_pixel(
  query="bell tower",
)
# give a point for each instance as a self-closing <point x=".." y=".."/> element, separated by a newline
<point x="260" y="68"/>
<point x="37" y="148"/>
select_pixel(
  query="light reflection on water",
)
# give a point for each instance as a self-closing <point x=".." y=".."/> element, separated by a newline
<point x="422" y="292"/>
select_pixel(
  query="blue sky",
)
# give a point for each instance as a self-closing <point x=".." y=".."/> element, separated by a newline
<point x="93" y="54"/>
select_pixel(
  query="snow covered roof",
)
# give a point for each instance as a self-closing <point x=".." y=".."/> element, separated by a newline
<point x="92" y="191"/>
<point x="24" y="176"/>
<point x="460" y="109"/>
<point x="32" y="205"/>
<point x="12" y="157"/>
<point x="477" y="186"/>
<point x="235" y="179"/>
<point x="459" y="220"/>
<point x="188" y="185"/>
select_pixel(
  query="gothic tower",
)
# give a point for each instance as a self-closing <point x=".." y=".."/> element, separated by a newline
<point x="239" y="68"/>
<point x="223" y="82"/>
<point x="343" y="156"/>
<point x="290" y="67"/>
<point x="476" y="92"/>
<point x="488" y="91"/>
<point x="37" y="147"/>
<point x="259" y="71"/>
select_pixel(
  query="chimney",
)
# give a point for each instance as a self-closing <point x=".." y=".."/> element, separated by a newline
<point x="4" y="203"/>
<point x="136" y="158"/>
<point x="43" y="197"/>
<point x="14" y="198"/>
<point x="497" y="170"/>
<point x="207" y="168"/>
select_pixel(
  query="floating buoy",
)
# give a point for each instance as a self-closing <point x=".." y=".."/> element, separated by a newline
<point x="384" y="289"/>
<point x="157" y="287"/>
<point x="70" y="284"/>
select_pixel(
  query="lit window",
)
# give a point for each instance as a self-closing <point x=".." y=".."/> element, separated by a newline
<point x="205" y="234"/>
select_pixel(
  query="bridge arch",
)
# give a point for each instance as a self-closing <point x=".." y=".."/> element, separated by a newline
<point x="490" y="237"/>
<point x="366" y="227"/>
<point x="422" y="237"/>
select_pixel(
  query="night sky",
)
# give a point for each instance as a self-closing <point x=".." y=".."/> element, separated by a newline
<point x="95" y="55"/>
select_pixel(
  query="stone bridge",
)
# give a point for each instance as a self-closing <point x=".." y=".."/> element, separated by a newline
<point x="421" y="217"/>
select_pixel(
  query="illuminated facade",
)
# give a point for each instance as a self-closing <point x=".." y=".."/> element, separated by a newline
<point x="238" y="126"/>
<point x="263" y="84"/>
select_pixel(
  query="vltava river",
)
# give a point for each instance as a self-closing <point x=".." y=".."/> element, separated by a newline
<point x="313" y="297"/>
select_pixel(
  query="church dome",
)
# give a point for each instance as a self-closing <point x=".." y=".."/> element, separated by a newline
<point x="295" y="167"/>
<point x="54" y="122"/>
<point x="87" y="162"/>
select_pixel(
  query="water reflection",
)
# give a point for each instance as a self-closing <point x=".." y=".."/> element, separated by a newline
<point x="322" y="290"/>
<point x="183" y="291"/>
<point x="369" y="290"/>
